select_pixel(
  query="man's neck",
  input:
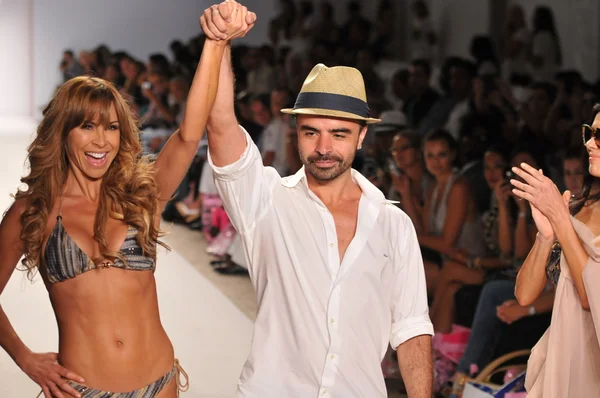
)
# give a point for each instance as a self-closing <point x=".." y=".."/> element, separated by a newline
<point x="334" y="191"/>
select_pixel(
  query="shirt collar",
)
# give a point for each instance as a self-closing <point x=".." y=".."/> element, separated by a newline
<point x="370" y="191"/>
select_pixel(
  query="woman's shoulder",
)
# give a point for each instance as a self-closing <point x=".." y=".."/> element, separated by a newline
<point x="461" y="184"/>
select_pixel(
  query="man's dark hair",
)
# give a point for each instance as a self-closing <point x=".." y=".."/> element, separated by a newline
<point x="422" y="63"/>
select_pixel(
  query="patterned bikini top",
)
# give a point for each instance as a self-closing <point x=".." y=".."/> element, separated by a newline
<point x="65" y="260"/>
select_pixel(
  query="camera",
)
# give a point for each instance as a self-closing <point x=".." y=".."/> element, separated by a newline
<point x="510" y="175"/>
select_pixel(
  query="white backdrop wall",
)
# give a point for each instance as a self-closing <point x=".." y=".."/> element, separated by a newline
<point x="16" y="64"/>
<point x="140" y="27"/>
<point x="457" y="21"/>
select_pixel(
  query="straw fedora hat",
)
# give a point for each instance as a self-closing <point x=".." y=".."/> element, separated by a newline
<point x="338" y="91"/>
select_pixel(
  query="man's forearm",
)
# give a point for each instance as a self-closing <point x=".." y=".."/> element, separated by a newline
<point x="416" y="365"/>
<point x="223" y="111"/>
<point x="226" y="142"/>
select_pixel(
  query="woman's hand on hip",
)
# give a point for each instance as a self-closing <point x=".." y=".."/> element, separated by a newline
<point x="50" y="376"/>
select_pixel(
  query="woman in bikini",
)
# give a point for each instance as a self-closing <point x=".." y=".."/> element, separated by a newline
<point x="88" y="222"/>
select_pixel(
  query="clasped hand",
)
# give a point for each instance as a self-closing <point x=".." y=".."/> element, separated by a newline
<point x="227" y="21"/>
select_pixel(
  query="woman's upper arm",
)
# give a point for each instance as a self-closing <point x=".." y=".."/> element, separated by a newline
<point x="426" y="210"/>
<point x="11" y="246"/>
<point x="457" y="211"/>
<point x="172" y="164"/>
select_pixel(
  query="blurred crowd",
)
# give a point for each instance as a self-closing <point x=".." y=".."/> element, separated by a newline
<point x="450" y="131"/>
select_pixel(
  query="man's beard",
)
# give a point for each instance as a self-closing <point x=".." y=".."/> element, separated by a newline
<point x="329" y="173"/>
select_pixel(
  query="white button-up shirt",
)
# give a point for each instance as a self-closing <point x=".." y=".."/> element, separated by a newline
<point x="323" y="326"/>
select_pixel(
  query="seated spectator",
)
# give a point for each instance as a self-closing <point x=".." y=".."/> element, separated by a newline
<point x="244" y="116"/>
<point x="159" y="114"/>
<point x="261" y="76"/>
<point x="497" y="227"/>
<point x="325" y="28"/>
<point x="113" y="74"/>
<point x="373" y="83"/>
<point x="497" y="304"/>
<point x="515" y="45"/>
<point x="423" y="39"/>
<point x="573" y="170"/>
<point x="450" y="214"/>
<point x="546" y="54"/>
<point x="475" y="138"/>
<point x="132" y="90"/>
<point x="400" y="88"/>
<point x="282" y="28"/>
<point x="69" y="66"/>
<point x="410" y="180"/>
<point x="456" y="80"/>
<point x="384" y="30"/>
<point x="179" y="87"/>
<point x="376" y="151"/>
<point x="566" y="111"/>
<point x="484" y="53"/>
<point x="422" y="96"/>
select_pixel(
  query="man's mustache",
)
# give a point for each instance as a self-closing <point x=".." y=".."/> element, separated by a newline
<point x="314" y="159"/>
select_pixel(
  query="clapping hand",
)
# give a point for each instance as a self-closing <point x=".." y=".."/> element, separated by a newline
<point x="542" y="194"/>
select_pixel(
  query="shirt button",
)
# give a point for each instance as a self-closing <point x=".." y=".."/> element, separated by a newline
<point x="332" y="321"/>
<point x="332" y="356"/>
<point x="331" y="245"/>
<point x="324" y="392"/>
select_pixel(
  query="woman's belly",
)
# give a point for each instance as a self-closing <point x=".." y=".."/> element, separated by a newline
<point x="109" y="329"/>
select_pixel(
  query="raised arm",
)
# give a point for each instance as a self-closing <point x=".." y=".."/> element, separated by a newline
<point x="532" y="275"/>
<point x="175" y="158"/>
<point x="226" y="141"/>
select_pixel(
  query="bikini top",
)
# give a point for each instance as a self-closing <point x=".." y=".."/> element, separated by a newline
<point x="65" y="260"/>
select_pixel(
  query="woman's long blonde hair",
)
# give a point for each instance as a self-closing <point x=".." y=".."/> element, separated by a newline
<point x="129" y="190"/>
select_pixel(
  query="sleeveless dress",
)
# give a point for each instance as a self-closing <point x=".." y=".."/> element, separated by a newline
<point x="565" y="363"/>
<point x="470" y="238"/>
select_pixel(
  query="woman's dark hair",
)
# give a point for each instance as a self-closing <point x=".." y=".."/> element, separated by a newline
<point x="482" y="49"/>
<point x="499" y="149"/>
<point x="441" y="135"/>
<point x="532" y="149"/>
<point x="543" y="20"/>
<point x="264" y="99"/>
<point x="414" y="139"/>
<point x="586" y="198"/>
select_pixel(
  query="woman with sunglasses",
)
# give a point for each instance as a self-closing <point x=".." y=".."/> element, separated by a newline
<point x="566" y="360"/>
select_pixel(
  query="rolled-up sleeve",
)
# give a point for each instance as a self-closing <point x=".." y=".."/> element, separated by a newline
<point x="410" y="312"/>
<point x="244" y="187"/>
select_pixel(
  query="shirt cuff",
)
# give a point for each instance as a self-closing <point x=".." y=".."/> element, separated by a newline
<point x="406" y="329"/>
<point x="235" y="170"/>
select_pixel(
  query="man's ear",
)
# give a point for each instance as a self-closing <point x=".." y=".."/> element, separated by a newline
<point x="361" y="136"/>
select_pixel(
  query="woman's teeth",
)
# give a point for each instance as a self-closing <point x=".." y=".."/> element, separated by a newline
<point x="96" y="155"/>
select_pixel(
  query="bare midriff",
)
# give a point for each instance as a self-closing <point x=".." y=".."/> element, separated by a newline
<point x="109" y="329"/>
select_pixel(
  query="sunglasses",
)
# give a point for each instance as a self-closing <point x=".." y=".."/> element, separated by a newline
<point x="587" y="132"/>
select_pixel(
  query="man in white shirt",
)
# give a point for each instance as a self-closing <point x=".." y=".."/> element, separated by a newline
<point x="336" y="268"/>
